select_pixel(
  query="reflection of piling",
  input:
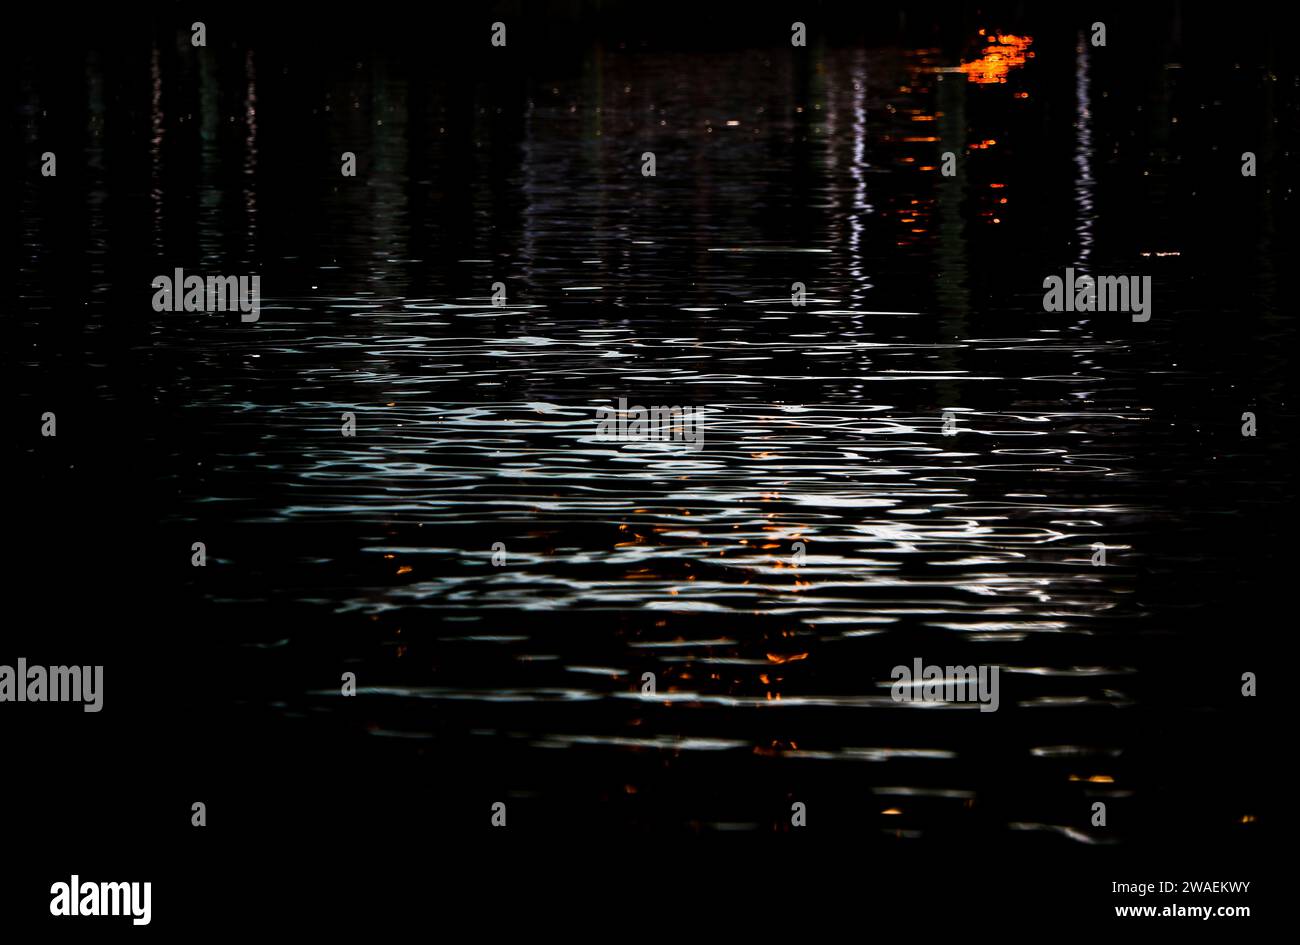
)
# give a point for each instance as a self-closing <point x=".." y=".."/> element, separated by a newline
<point x="952" y="290"/>
<point x="1084" y="183"/>
<point x="250" y="155"/>
<point x="96" y="177"/>
<point x="387" y="186"/>
<point x="210" y="230"/>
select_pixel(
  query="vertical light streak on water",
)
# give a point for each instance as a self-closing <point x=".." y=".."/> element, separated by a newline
<point x="1084" y="183"/>
<point x="96" y="194"/>
<point x="250" y="152"/>
<point x="389" y="229"/>
<point x="209" y="164"/>
<point x="831" y="156"/>
<point x="858" y="171"/>
<point x="155" y="149"/>
<point x="529" y="183"/>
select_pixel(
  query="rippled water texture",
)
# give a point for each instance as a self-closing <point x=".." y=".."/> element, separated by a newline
<point x="830" y="528"/>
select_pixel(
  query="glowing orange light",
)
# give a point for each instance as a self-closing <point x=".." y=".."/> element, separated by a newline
<point x="775" y="658"/>
<point x="1003" y="53"/>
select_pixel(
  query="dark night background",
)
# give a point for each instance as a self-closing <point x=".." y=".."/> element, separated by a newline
<point x="521" y="165"/>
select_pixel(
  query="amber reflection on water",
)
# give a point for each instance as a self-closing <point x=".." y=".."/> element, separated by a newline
<point x="1003" y="53"/>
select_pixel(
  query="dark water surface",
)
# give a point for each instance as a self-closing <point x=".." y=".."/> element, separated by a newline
<point x="824" y="424"/>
